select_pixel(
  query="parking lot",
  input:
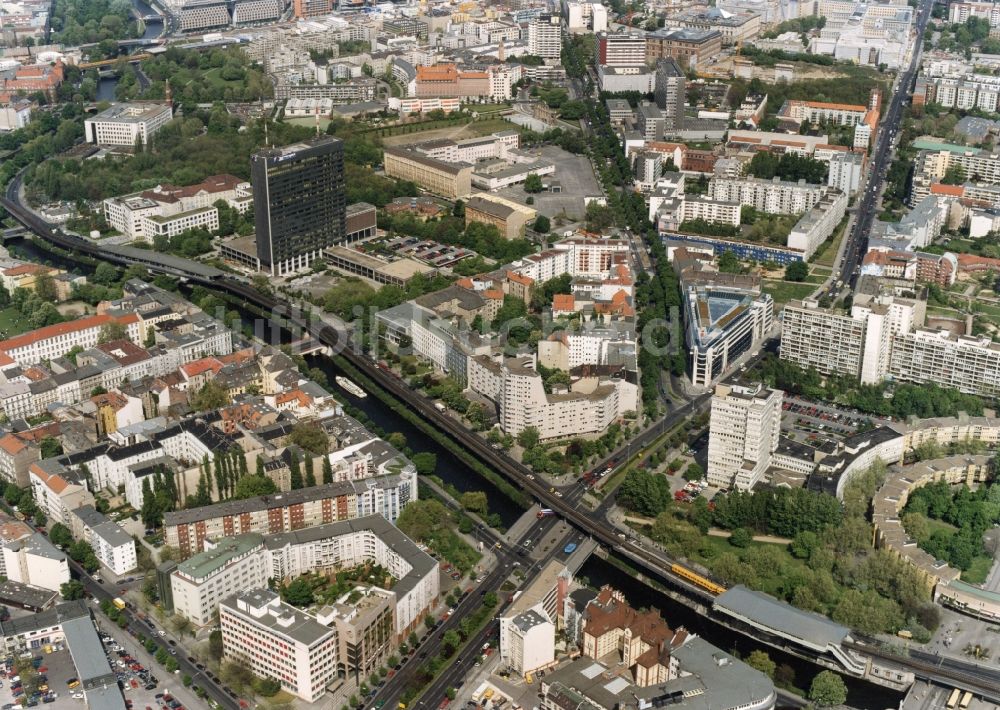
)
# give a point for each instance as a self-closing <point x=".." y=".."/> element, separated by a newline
<point x="816" y="422"/>
<point x="54" y="670"/>
<point x="575" y="175"/>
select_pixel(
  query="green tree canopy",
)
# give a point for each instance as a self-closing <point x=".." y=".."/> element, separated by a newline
<point x="425" y="462"/>
<point x="828" y="689"/>
<point x="210" y="397"/>
<point x="311" y="437"/>
<point x="796" y="271"/>
<point x="297" y="593"/>
<point x="253" y="486"/>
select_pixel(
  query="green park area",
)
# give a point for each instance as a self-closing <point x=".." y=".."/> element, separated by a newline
<point x="13" y="322"/>
<point x="784" y="291"/>
<point x="829" y="566"/>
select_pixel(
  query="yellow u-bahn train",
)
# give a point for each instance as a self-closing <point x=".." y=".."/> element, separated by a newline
<point x="697" y="579"/>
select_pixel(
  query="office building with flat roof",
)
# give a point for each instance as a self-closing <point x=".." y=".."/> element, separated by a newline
<point x="300" y="202"/>
<point x="275" y="640"/>
<point x="545" y="37"/>
<point x="125" y="124"/>
<point x="743" y="433"/>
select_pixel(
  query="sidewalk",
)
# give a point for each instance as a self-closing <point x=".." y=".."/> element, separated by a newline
<point x="169" y="682"/>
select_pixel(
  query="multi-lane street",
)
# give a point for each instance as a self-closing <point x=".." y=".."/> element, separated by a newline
<point x="508" y="556"/>
<point x="881" y="157"/>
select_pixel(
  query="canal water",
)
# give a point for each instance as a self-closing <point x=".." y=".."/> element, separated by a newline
<point x="597" y="571"/>
<point x="449" y="467"/>
<point x="106" y="86"/>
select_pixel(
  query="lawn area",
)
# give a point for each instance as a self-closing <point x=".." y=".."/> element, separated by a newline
<point x="13" y="323"/>
<point x="212" y="77"/>
<point x="827" y="251"/>
<point x="943" y="311"/>
<point x="490" y="108"/>
<point x="978" y="570"/>
<point x="491" y="125"/>
<point x="784" y="291"/>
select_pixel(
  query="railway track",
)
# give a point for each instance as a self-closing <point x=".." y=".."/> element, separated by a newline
<point x="657" y="566"/>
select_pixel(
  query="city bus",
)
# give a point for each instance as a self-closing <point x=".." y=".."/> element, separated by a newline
<point x="953" y="699"/>
<point x="966" y="699"/>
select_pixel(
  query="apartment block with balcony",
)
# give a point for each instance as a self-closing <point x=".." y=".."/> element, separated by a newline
<point x="967" y="363"/>
<point x="113" y="547"/>
<point x="225" y="567"/>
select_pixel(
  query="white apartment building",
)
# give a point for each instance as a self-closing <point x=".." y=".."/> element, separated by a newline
<point x="846" y="171"/>
<point x="35" y="561"/>
<point x="590" y="407"/>
<point x="857" y="344"/>
<point x="968" y="363"/>
<point x="275" y="640"/>
<point x="527" y="641"/>
<point x="863" y="118"/>
<point x="128" y="214"/>
<point x="931" y="165"/>
<point x="965" y="92"/>
<point x="250" y="11"/>
<point x="584" y="15"/>
<point x="816" y="225"/>
<point x="743" y="434"/>
<point x="14" y="114"/>
<point x="225" y="567"/>
<point x="647" y="167"/>
<point x="545" y="37"/>
<point x="113" y="547"/>
<point x="959" y="12"/>
<point x="576" y="256"/>
<point x="771" y="196"/>
<point x="124" y="124"/>
<point x="565" y="350"/>
<point x="471" y="150"/>
<point x="54" y="341"/>
<point x="172" y="225"/>
<point x="143" y="214"/>
<point x="55" y="494"/>
<point x="829" y="341"/>
<point x="327" y="548"/>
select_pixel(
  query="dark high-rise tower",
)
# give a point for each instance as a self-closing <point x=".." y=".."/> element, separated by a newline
<point x="299" y="202"/>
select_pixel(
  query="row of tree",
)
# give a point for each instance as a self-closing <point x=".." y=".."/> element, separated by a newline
<point x="921" y="400"/>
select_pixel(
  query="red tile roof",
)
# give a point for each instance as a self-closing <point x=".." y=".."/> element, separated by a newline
<point x="563" y="302"/>
<point x="12" y="445"/>
<point x="21" y="269"/>
<point x="938" y="188"/>
<point x="53" y="331"/>
<point x="197" y="367"/>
